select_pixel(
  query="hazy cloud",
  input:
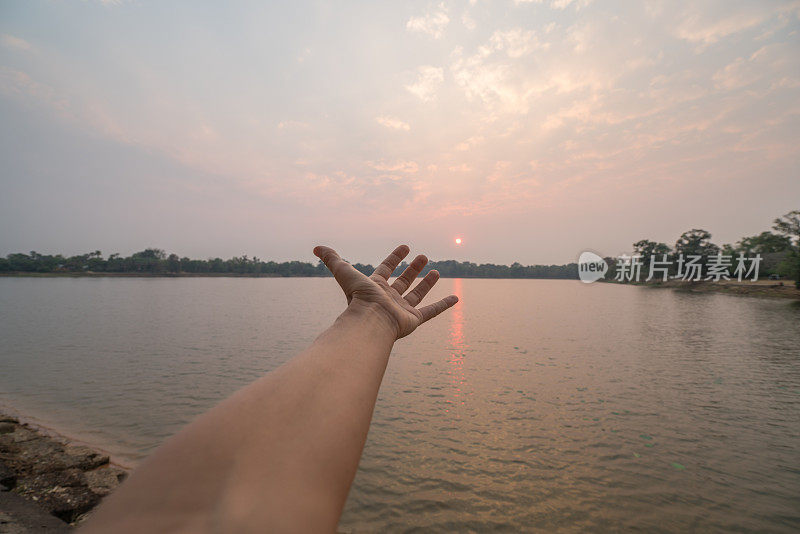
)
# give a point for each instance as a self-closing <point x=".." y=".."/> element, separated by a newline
<point x="393" y="123"/>
<point x="698" y="24"/>
<point x="516" y="42"/>
<point x="398" y="166"/>
<point x="468" y="22"/>
<point x="432" y="23"/>
<point x="9" y="41"/>
<point x="428" y="81"/>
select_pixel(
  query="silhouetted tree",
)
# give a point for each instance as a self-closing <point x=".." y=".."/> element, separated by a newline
<point x="789" y="226"/>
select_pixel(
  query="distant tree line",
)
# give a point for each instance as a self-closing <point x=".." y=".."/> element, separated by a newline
<point x="466" y="269"/>
<point x="779" y="249"/>
<point x="154" y="261"/>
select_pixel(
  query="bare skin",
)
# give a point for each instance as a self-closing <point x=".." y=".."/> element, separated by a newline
<point x="280" y="454"/>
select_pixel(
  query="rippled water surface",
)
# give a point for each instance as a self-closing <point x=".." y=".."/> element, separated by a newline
<point x="533" y="404"/>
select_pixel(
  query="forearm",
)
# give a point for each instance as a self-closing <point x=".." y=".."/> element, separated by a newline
<point x="279" y="455"/>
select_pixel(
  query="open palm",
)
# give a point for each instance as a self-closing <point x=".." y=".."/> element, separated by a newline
<point x="401" y="311"/>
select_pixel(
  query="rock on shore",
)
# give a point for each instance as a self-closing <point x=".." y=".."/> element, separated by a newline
<point x="66" y="481"/>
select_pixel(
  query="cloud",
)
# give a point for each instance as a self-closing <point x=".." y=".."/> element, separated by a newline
<point x="372" y="191"/>
<point x="468" y="22"/>
<point x="19" y="84"/>
<point x="564" y="4"/>
<point x="516" y="42"/>
<point x="398" y="166"/>
<point x="461" y="167"/>
<point x="581" y="35"/>
<point x="432" y="24"/>
<point x="93" y="116"/>
<point x="774" y="62"/>
<point x="293" y="125"/>
<point x="490" y="81"/>
<point x="393" y="123"/>
<point x="735" y="75"/>
<point x="500" y="75"/>
<point x="558" y="4"/>
<point x="469" y="143"/>
<point x="708" y="26"/>
<point x="9" y="41"/>
<point x="428" y="81"/>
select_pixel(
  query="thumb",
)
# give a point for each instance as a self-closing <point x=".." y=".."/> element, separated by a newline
<point x="344" y="273"/>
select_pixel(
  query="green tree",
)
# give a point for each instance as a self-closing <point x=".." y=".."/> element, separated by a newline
<point x="789" y="226"/>
<point x="95" y="261"/>
<point x="173" y="263"/>
<point x="696" y="242"/>
<point x="149" y="260"/>
<point x="647" y="249"/>
<point x="764" y="243"/>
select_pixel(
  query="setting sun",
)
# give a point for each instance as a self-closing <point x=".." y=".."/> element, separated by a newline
<point x="458" y="241"/>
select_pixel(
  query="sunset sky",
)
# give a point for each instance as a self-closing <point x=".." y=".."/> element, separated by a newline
<point x="530" y="129"/>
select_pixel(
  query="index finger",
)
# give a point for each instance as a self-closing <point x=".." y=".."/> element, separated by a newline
<point x="387" y="267"/>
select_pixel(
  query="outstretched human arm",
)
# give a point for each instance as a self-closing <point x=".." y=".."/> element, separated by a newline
<point x="280" y="454"/>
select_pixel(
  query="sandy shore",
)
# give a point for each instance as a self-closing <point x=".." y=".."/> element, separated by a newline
<point x="43" y="477"/>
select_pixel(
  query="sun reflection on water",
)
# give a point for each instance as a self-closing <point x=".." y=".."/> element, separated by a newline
<point x="455" y="367"/>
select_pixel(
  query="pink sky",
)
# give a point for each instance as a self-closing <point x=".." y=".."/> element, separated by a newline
<point x="531" y="129"/>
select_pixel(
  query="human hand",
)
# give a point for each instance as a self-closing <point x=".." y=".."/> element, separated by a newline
<point x="374" y="291"/>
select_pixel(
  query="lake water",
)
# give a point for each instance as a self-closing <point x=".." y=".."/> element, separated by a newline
<point x="533" y="404"/>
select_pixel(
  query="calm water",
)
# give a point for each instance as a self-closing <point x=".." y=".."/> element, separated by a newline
<point x="532" y="405"/>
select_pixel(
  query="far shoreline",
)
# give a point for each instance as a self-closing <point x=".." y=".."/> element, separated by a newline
<point x="780" y="289"/>
<point x="772" y="289"/>
<point x="91" y="274"/>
